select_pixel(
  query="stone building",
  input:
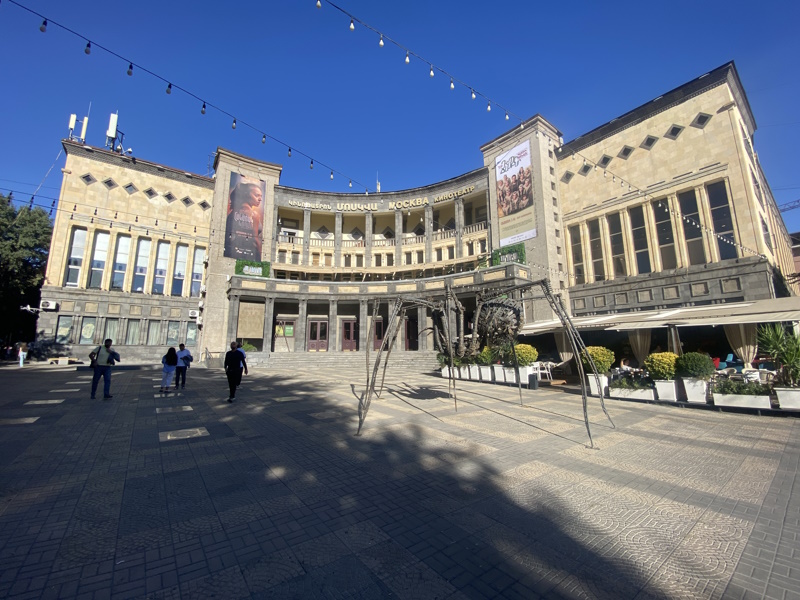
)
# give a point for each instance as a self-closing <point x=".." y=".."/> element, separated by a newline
<point x="664" y="207"/>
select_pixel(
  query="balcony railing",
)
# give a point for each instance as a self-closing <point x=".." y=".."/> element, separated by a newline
<point x="321" y="243"/>
<point x="382" y="243"/>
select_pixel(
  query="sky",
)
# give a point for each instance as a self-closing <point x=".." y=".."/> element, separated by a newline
<point x="300" y="75"/>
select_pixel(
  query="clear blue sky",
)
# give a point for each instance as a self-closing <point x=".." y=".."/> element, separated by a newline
<point x="299" y="73"/>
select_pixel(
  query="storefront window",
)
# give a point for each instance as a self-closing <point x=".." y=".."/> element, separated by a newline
<point x="132" y="336"/>
<point x="191" y="334"/>
<point x="173" y="332"/>
<point x="112" y="330"/>
<point x="64" y="330"/>
<point x="87" y="330"/>
<point x="154" y="333"/>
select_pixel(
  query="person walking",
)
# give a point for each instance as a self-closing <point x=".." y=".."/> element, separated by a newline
<point x="23" y="353"/>
<point x="103" y="358"/>
<point x="234" y="363"/>
<point x="170" y="363"/>
<point x="184" y="358"/>
<point x="244" y="356"/>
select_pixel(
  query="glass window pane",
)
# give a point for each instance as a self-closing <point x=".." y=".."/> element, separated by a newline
<point x="154" y="333"/>
<point x="721" y="217"/>
<point x="617" y="245"/>
<point x="197" y="271"/>
<point x="162" y="260"/>
<point x="140" y="272"/>
<point x="179" y="273"/>
<point x="64" y="330"/>
<point x="191" y="333"/>
<point x="98" y="259"/>
<point x="666" y="239"/>
<point x="112" y="329"/>
<point x="87" y="330"/>
<point x="75" y="260"/>
<point x="639" y="237"/>
<point x="173" y="332"/>
<point x="596" y="249"/>
<point x="577" y="253"/>
<point x="132" y="336"/>
<point x="121" y="262"/>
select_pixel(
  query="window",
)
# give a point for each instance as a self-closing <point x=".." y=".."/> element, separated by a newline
<point x="112" y="330"/>
<point x="150" y="193"/>
<point x="162" y="259"/>
<point x="649" y="142"/>
<point x="98" y="259"/>
<point x="692" y="231"/>
<point x="757" y="188"/>
<point x="721" y="218"/>
<point x="154" y="333"/>
<point x="617" y="245"/>
<point x="451" y="252"/>
<point x="87" y="330"/>
<point x="604" y="161"/>
<point x="577" y="253"/>
<point x="555" y="217"/>
<point x="420" y="257"/>
<point x="173" y="332"/>
<point x="555" y="201"/>
<point x="130" y="188"/>
<point x="64" y="330"/>
<point x="390" y="260"/>
<point x="596" y="249"/>
<point x="438" y="254"/>
<point x="75" y="260"/>
<point x="191" y="333"/>
<point x="625" y="152"/>
<point x="359" y="260"/>
<point x="673" y="132"/>
<point x="179" y="274"/>
<point x="110" y="183"/>
<point x="408" y="258"/>
<point x="197" y="271"/>
<point x="88" y="179"/>
<point x="585" y="169"/>
<point x="378" y="259"/>
<point x="701" y="120"/>
<point x="121" y="262"/>
<point x="747" y="145"/>
<point x="140" y="270"/>
<point x="666" y="239"/>
<point x="567" y="177"/>
<point x="765" y="231"/>
<point x="639" y="236"/>
<point x="284" y="329"/>
<point x="132" y="335"/>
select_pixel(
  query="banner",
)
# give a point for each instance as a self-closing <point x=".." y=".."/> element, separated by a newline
<point x="244" y="225"/>
<point x="517" y="217"/>
<point x="253" y="268"/>
<point x="512" y="253"/>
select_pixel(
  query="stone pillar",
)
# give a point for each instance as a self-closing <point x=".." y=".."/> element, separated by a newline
<point x="428" y="234"/>
<point x="363" y="325"/>
<point x="422" y="339"/>
<point x="306" y="260"/>
<point x="337" y="241"/>
<point x="333" y="324"/>
<point x="368" y="224"/>
<point x="233" y="319"/>
<point x="398" y="237"/>
<point x="302" y="323"/>
<point x="459" y="226"/>
<point x="269" y="311"/>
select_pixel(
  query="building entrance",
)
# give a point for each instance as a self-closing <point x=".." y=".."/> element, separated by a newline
<point x="412" y="334"/>
<point x="377" y="338"/>
<point x="349" y="335"/>
<point x="317" y="336"/>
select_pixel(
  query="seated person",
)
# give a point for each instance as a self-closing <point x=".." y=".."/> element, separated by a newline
<point x="624" y="365"/>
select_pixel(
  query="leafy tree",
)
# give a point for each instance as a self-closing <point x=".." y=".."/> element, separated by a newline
<point x="24" y="245"/>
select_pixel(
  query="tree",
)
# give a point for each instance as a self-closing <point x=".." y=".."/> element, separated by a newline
<point x="24" y="246"/>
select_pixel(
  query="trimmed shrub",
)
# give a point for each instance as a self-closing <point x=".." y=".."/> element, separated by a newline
<point x="603" y="358"/>
<point x="694" y="364"/>
<point x="486" y="357"/>
<point x="661" y="365"/>
<point x="526" y="354"/>
<point x="631" y="383"/>
<point x="743" y="388"/>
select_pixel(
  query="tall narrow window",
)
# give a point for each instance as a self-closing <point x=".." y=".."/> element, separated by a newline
<point x="577" y="253"/>
<point x="112" y="330"/>
<point x="173" y="331"/>
<point x="666" y="239"/>
<point x="692" y="231"/>
<point x="596" y="249"/>
<point x="153" y="333"/>
<point x="162" y="259"/>
<point x="75" y="262"/>
<point x="132" y="335"/>
<point x="179" y="274"/>
<point x="99" y="256"/>
<point x="121" y="262"/>
<point x="64" y="329"/>
<point x="87" y="330"/>
<point x="639" y="236"/>
<point x="767" y="238"/>
<point x="721" y="218"/>
<point x="197" y="271"/>
<point x="617" y="245"/>
<point x="140" y="271"/>
<point x="191" y="333"/>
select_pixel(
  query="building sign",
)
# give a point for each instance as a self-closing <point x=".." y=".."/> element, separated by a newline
<point x="253" y="268"/>
<point x="243" y="227"/>
<point x="376" y="206"/>
<point x="506" y="254"/>
<point x="516" y="215"/>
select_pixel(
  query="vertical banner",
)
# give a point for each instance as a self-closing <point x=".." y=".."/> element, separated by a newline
<point x="517" y="217"/>
<point x="243" y="228"/>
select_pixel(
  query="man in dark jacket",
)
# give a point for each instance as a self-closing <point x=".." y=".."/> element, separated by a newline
<point x="234" y="362"/>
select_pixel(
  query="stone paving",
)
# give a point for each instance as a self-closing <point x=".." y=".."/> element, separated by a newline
<point x="273" y="496"/>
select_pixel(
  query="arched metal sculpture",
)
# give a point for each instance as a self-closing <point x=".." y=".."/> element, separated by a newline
<point x="497" y="322"/>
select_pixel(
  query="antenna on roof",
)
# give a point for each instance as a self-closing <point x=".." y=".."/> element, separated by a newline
<point x="115" y="137"/>
<point x="73" y="119"/>
<point x="377" y="182"/>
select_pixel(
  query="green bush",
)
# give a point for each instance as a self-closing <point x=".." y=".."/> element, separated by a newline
<point x="694" y="364"/>
<point x="631" y="383"/>
<point x="486" y="357"/>
<point x="745" y="388"/>
<point x="784" y="348"/>
<point x="661" y="365"/>
<point x="526" y="354"/>
<point x="603" y="358"/>
<point x="248" y="347"/>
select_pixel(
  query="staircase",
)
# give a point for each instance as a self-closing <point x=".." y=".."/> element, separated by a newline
<point x="422" y="361"/>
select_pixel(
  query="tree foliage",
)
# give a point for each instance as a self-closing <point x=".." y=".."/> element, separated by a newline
<point x="24" y="246"/>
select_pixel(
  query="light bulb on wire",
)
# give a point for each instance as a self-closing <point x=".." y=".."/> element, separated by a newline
<point x="352" y="25"/>
<point x="88" y="49"/>
<point x="264" y="139"/>
<point x="233" y="125"/>
<point x="130" y="69"/>
<point x="319" y="4"/>
<point x="380" y="43"/>
<point x="203" y="109"/>
<point x="431" y="70"/>
<point x="290" y="153"/>
<point x="452" y="85"/>
<point x="311" y="166"/>
<point x="43" y="26"/>
<point x="408" y="60"/>
<point x="488" y="107"/>
<point x="169" y="88"/>
<point x="331" y="175"/>
<point x="473" y="94"/>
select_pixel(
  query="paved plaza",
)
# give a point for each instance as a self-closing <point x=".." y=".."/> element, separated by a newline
<point x="273" y="496"/>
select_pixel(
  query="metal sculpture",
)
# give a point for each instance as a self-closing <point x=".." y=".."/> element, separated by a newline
<point x="497" y="322"/>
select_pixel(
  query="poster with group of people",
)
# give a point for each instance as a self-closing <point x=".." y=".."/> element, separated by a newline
<point x="515" y="195"/>
<point x="244" y="226"/>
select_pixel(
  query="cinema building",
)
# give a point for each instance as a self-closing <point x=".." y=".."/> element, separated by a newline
<point x="663" y="209"/>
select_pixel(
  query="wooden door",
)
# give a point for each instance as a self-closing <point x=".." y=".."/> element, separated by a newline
<point x="349" y="335"/>
<point x="317" y="336"/>
<point x="377" y="338"/>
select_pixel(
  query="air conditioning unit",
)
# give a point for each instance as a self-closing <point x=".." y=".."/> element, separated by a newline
<point x="203" y="289"/>
<point x="194" y="314"/>
<point x="48" y="305"/>
<point x="199" y="320"/>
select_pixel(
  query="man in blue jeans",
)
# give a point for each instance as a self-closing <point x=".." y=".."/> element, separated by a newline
<point x="103" y="358"/>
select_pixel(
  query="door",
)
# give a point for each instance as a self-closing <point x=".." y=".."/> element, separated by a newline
<point x="378" y="335"/>
<point x="317" y="336"/>
<point x="349" y="335"/>
<point x="412" y="334"/>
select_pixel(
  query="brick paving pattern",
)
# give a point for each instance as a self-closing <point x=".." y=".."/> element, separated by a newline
<point x="273" y="496"/>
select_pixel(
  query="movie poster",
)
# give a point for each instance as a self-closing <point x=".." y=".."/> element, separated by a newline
<point x="244" y="226"/>
<point x="515" y="195"/>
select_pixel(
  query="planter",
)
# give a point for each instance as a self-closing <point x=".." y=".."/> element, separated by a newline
<point x="486" y="373"/>
<point x="695" y="390"/>
<point x="788" y="398"/>
<point x="627" y="394"/>
<point x="499" y="373"/>
<point x="665" y="390"/>
<point x="446" y="372"/>
<point x="742" y="401"/>
<point x="511" y="375"/>
<point x="593" y="384"/>
<point x="474" y="372"/>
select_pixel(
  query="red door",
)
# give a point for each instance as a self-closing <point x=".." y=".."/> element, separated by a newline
<point x="349" y="335"/>
<point x="317" y="336"/>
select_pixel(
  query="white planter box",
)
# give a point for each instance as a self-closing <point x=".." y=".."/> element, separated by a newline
<point x="486" y="373"/>
<point x="788" y="398"/>
<point x="511" y="375"/>
<point x="743" y="401"/>
<point x="665" y="390"/>
<point x="474" y="373"/>
<point x="593" y="384"/>
<point x="499" y="373"/>
<point x="695" y="390"/>
<point x="625" y="394"/>
<point x="446" y="372"/>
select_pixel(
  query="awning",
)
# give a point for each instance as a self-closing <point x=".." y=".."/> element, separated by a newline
<point x="759" y="311"/>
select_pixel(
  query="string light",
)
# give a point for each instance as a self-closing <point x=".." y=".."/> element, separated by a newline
<point x="88" y="49"/>
<point x="319" y="4"/>
<point x="431" y="70"/>
<point x="43" y="26"/>
<point x="489" y="107"/>
<point x="331" y="175"/>
<point x="473" y="94"/>
<point x="506" y="115"/>
<point x="380" y="43"/>
<point x="203" y="109"/>
<point x="264" y="139"/>
<point x="311" y="166"/>
<point x="408" y="60"/>
<point x="130" y="69"/>
<point x="169" y="88"/>
<point x="352" y="25"/>
<point x="350" y="184"/>
<point x="290" y="153"/>
<point x="233" y="125"/>
<point x="452" y="85"/>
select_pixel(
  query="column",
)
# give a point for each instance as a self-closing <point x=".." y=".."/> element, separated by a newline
<point x="300" y="329"/>
<point x="306" y="259"/>
<point x="269" y="311"/>
<point x="652" y="238"/>
<point x="363" y="325"/>
<point x="233" y="318"/>
<point x="368" y="223"/>
<point x="337" y="241"/>
<point x="459" y="226"/>
<point x="333" y="326"/>
<point x="398" y="237"/>
<point x="429" y="234"/>
<point x="422" y="339"/>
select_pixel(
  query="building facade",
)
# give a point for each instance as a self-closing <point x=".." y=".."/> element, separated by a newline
<point x="666" y="206"/>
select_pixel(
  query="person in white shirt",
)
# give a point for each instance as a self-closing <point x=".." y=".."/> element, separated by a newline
<point x="184" y="358"/>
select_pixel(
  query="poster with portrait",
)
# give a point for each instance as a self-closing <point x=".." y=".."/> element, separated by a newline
<point x="515" y="209"/>
<point x="244" y="224"/>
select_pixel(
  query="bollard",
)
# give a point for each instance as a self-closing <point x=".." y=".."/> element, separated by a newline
<point x="533" y="381"/>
